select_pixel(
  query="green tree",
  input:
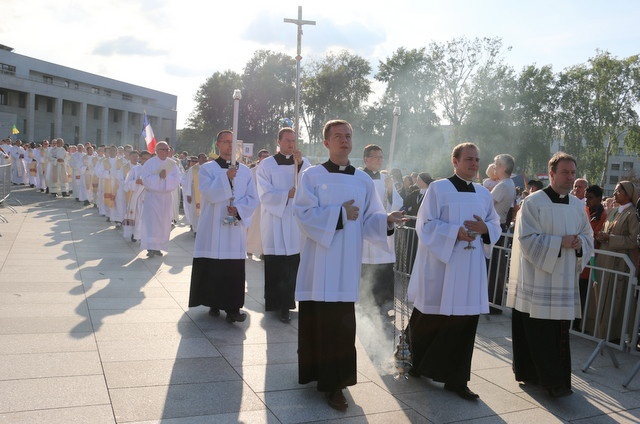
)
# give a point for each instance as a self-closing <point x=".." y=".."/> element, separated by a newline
<point x="460" y="67"/>
<point x="213" y="111"/>
<point x="268" y="96"/>
<point x="410" y="85"/>
<point x="334" y="88"/>
<point x="597" y="105"/>
<point x="535" y="109"/>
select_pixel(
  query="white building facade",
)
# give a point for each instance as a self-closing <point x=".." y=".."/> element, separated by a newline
<point x="44" y="101"/>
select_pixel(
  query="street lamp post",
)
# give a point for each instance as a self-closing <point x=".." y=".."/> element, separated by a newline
<point x="394" y="128"/>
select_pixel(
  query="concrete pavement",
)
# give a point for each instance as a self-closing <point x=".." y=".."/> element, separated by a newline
<point x="92" y="331"/>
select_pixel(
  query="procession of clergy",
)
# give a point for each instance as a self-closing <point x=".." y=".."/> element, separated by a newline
<point x="319" y="224"/>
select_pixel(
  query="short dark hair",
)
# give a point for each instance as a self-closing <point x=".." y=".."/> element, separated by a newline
<point x="596" y="190"/>
<point x="457" y="150"/>
<point x="331" y="124"/>
<point x="284" y="131"/>
<point x="535" y="183"/>
<point x="370" y="148"/>
<point x="559" y="157"/>
<point x="223" y="132"/>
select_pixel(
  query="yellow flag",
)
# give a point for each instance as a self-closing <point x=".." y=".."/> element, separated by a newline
<point x="15" y="131"/>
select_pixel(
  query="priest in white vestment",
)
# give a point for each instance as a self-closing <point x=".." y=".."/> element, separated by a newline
<point x="160" y="177"/>
<point x="218" y="274"/>
<point x="336" y="207"/>
<point x="551" y="244"/>
<point x="456" y="227"/>
<point x="132" y="224"/>
<point x="280" y="235"/>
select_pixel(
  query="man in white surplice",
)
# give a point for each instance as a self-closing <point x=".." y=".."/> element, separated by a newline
<point x="280" y="235"/>
<point x="376" y="282"/>
<point x="551" y="243"/>
<point x="160" y="177"/>
<point x="457" y="225"/>
<point x="336" y="206"/>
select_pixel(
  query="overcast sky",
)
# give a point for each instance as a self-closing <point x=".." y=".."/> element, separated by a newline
<point x="174" y="46"/>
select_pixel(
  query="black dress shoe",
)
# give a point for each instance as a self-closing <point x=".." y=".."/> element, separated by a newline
<point x="133" y="240"/>
<point x="337" y="401"/>
<point x="65" y="194"/>
<point x="237" y="317"/>
<point x="214" y="312"/>
<point x="285" y="316"/>
<point x="149" y="253"/>
<point x="87" y="203"/>
<point x="463" y="392"/>
<point x="560" y="391"/>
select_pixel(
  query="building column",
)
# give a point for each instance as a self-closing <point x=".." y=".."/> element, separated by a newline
<point x="58" y="121"/>
<point x="105" y="126"/>
<point x="31" y="117"/>
<point x="125" y="127"/>
<point x="83" y="122"/>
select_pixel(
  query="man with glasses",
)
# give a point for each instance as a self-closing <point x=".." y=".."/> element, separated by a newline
<point x="160" y="176"/>
<point x="376" y="278"/>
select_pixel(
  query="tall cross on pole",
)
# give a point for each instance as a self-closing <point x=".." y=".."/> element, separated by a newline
<point x="299" y="22"/>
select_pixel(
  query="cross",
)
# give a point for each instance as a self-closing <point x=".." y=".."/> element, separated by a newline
<point x="299" y="22"/>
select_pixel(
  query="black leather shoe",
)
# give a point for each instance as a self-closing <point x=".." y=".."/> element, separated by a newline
<point x="337" y="401"/>
<point x="239" y="317"/>
<point x="463" y="392"/>
<point x="558" y="392"/>
<point x="214" y="312"/>
<point x="285" y="316"/>
<point x="133" y="240"/>
<point x="149" y="253"/>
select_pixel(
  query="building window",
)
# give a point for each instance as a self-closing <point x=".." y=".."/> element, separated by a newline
<point x="615" y="166"/>
<point x="95" y="90"/>
<point x="24" y="127"/>
<point x="22" y="100"/>
<point x="107" y="93"/>
<point x="116" y="116"/>
<point x="52" y="131"/>
<point x="66" y="83"/>
<point x="76" y="85"/>
<point x="99" y="136"/>
<point x="49" y="105"/>
<point x="127" y="97"/>
<point x="7" y="69"/>
<point x="47" y="79"/>
<point x="96" y="112"/>
<point x="627" y="166"/>
<point x="613" y="179"/>
<point x="76" y="135"/>
<point x="74" y="109"/>
<point x="4" y="98"/>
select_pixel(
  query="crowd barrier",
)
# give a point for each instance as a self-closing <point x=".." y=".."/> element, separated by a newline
<point x="5" y="187"/>
<point x="610" y="297"/>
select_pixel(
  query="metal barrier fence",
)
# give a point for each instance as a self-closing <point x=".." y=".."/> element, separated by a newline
<point x="5" y="187"/>
<point x="610" y="296"/>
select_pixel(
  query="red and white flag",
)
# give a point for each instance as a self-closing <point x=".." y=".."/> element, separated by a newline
<point x="147" y="133"/>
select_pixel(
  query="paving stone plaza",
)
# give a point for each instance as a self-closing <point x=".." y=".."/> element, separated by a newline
<point x="93" y="331"/>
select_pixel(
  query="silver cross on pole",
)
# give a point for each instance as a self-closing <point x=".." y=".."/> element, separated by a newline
<point x="299" y="22"/>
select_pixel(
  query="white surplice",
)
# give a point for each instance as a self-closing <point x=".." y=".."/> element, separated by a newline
<point x="372" y="254"/>
<point x="543" y="279"/>
<point x="448" y="279"/>
<point x="279" y="230"/>
<point x="214" y="239"/>
<point x="331" y="259"/>
<point x="158" y="209"/>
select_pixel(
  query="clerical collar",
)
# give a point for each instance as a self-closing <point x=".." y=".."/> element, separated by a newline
<point x="462" y="185"/>
<point x="374" y="175"/>
<point x="341" y="169"/>
<point x="224" y="163"/>
<point x="555" y="197"/>
<point x="283" y="160"/>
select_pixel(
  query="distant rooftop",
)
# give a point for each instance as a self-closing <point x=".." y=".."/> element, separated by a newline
<point x="7" y="48"/>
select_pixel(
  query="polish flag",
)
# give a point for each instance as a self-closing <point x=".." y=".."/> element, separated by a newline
<point x="147" y="133"/>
